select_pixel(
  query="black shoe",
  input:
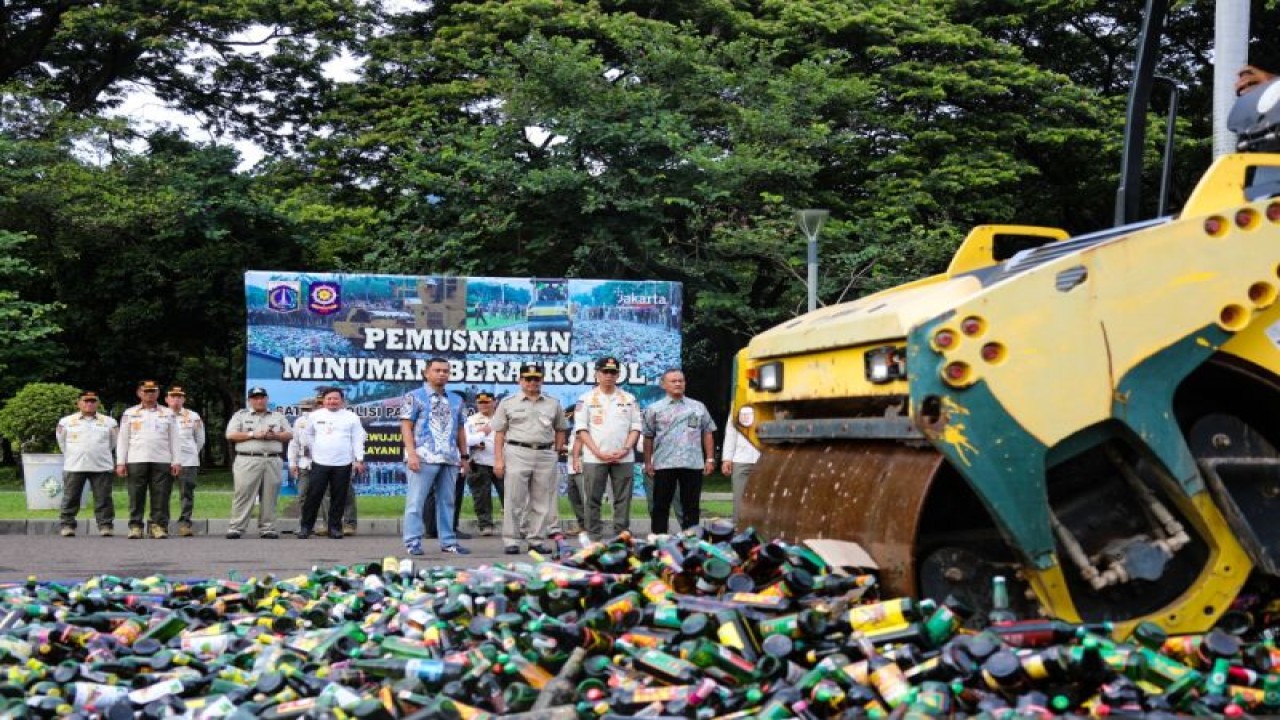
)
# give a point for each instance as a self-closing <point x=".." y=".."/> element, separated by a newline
<point x="461" y="535"/>
<point x="233" y="535"/>
<point x="335" y="534"/>
<point x="270" y="535"/>
<point x="303" y="534"/>
<point x="538" y="548"/>
<point x="511" y="550"/>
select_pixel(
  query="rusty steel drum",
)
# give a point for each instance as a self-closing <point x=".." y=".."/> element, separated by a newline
<point x="870" y="492"/>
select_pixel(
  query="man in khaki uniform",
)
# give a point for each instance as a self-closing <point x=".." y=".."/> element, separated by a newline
<point x="191" y="434"/>
<point x="87" y="439"/>
<point x="529" y="432"/>
<point x="259" y="436"/>
<point x="148" y="452"/>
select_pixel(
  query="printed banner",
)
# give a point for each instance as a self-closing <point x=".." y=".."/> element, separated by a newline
<point x="371" y="335"/>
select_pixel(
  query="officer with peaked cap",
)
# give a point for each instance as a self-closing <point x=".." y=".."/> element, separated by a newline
<point x="149" y="452"/>
<point x="529" y="434"/>
<point x="86" y="439"/>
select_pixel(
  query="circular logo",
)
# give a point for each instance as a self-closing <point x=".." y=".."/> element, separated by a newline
<point x="51" y="486"/>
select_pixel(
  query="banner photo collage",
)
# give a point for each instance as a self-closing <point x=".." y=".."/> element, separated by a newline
<point x="371" y="335"/>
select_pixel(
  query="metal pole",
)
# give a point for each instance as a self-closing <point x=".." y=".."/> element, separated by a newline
<point x="1166" y="177"/>
<point x="811" y="222"/>
<point x="1135" y="124"/>
<point x="1230" y="50"/>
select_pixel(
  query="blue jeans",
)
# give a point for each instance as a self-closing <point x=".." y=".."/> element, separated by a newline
<point x="442" y="478"/>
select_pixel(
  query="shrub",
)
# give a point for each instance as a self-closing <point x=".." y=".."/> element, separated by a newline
<point x="29" y="418"/>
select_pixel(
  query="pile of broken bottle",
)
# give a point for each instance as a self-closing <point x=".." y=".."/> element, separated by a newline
<point x="711" y="623"/>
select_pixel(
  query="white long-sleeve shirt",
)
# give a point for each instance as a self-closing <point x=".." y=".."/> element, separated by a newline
<point x="148" y="435"/>
<point x="298" y="453"/>
<point x="336" y="437"/>
<point x="87" y="442"/>
<point x="191" y="437"/>
<point x="736" y="448"/>
<point x="476" y="438"/>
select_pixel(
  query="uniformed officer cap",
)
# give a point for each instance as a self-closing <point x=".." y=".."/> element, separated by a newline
<point x="482" y="395"/>
<point x="531" y="370"/>
<point x="176" y="390"/>
<point x="609" y="363"/>
<point x="89" y="395"/>
<point x="307" y="403"/>
<point x="149" y="385"/>
<point x="257" y="390"/>
<point x="1265" y="55"/>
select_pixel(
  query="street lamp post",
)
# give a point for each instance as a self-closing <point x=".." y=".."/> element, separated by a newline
<point x="811" y="222"/>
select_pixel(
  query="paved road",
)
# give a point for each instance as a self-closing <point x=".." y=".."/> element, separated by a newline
<point x="50" y="557"/>
<point x="35" y="548"/>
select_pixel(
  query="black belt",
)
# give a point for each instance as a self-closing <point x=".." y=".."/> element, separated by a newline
<point x="260" y="454"/>
<point x="531" y="446"/>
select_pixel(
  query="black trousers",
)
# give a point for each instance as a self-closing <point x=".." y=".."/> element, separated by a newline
<point x="665" y="485"/>
<point x="152" y="481"/>
<point x="336" y="479"/>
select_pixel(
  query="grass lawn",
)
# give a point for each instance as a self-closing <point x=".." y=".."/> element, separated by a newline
<point x="213" y="500"/>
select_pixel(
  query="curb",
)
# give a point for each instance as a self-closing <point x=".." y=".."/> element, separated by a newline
<point x="85" y="526"/>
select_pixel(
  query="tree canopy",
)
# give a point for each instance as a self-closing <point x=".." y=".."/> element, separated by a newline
<point x="618" y="139"/>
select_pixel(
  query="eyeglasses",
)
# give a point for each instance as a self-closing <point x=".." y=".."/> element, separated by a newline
<point x="150" y="391"/>
<point x="531" y="379"/>
<point x="484" y="402"/>
<point x="609" y="372"/>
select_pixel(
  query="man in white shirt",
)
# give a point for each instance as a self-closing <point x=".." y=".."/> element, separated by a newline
<point x="336" y="438"/>
<point x="299" y="457"/>
<point x="191" y="437"/>
<point x="86" y="439"/>
<point x="606" y="427"/>
<point x="148" y="452"/>
<point x="481" y="480"/>
<point x="737" y="459"/>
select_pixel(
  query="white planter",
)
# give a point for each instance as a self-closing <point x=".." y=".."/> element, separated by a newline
<point x="42" y="478"/>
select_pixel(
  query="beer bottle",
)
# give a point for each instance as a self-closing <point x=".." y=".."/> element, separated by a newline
<point x="707" y="654"/>
<point x="711" y="579"/>
<point x="797" y="626"/>
<point x="885" y="675"/>
<point x="1043" y="632"/>
<point x="519" y="697"/>
<point x="1003" y="673"/>
<point x="734" y="632"/>
<point x="429" y="671"/>
<point x="1000" y="612"/>
<point x="887" y="613"/>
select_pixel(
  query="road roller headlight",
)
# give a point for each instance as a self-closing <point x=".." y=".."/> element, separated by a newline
<point x="767" y="377"/>
<point x="886" y="364"/>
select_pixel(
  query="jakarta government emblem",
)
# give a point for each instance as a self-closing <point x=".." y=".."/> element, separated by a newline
<point x="284" y="295"/>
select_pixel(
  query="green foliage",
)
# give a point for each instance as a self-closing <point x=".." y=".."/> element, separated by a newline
<point x="26" y="327"/>
<point x="252" y="67"/>
<point x="28" y="419"/>
<point x="674" y="140"/>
